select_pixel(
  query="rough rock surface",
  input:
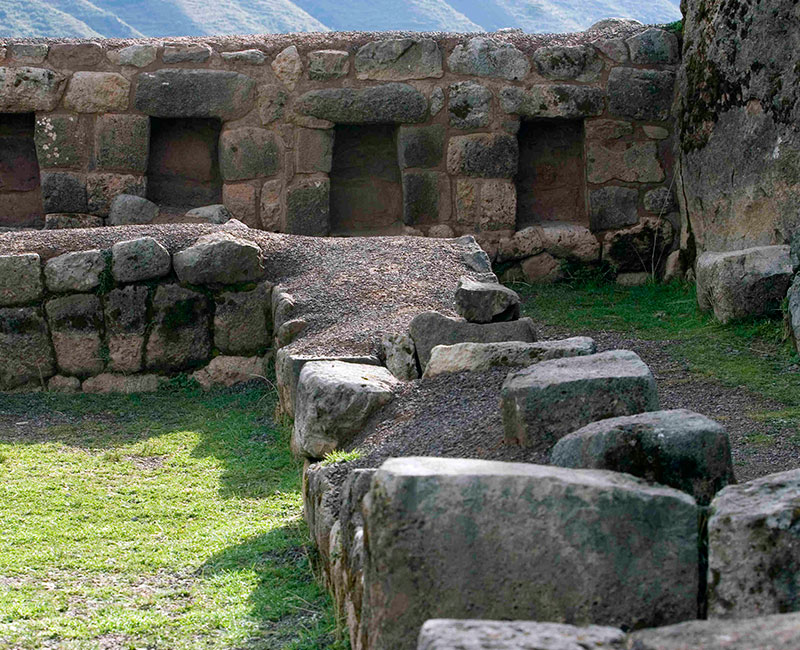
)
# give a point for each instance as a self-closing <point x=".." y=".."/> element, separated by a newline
<point x="400" y="355"/>
<point x="139" y="259"/>
<point x="79" y="271"/>
<point x="75" y="324"/>
<point x="334" y="400"/>
<point x="28" y="355"/>
<point x="393" y="103"/>
<point x="475" y="357"/>
<point x="679" y="448"/>
<point x="110" y="383"/>
<point x="219" y="259"/>
<point x="243" y="321"/>
<point x="485" y="57"/>
<point x="20" y="279"/>
<point x="451" y="538"/>
<point x="180" y="336"/>
<point x="228" y="371"/>
<point x="129" y="209"/>
<point x="126" y="325"/>
<point x="484" y="302"/>
<point x="542" y="403"/>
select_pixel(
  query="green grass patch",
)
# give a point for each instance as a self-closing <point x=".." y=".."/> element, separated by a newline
<point x="170" y="520"/>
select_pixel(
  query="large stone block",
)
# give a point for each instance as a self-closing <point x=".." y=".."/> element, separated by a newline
<point x="130" y="209"/>
<point x="542" y="403"/>
<point x="660" y="201"/>
<point x="288" y="66"/>
<point x="334" y="400"/>
<point x="392" y="103"/>
<point x="61" y="141"/>
<point x="249" y="57"/>
<point x="97" y="92"/>
<point x="180" y="336"/>
<point x="102" y="189"/>
<point x="560" y="62"/>
<point x="420" y="146"/>
<point x="679" y="448"/>
<point x="400" y="356"/>
<point x="243" y="321"/>
<point x="738" y="284"/>
<point x="195" y="93"/>
<point x="483" y="155"/>
<point x="75" y="55"/>
<point x="754" y="548"/>
<point x="485" y="302"/>
<point x="313" y="150"/>
<point x="28" y="52"/>
<point x="559" y="101"/>
<point x="568" y="241"/>
<point x="122" y="142"/>
<point x="421" y="193"/>
<point x="328" y="64"/>
<point x="140" y="259"/>
<point x="64" y="192"/>
<point x="431" y="328"/>
<point x="137" y="56"/>
<point x="241" y="200"/>
<point x="308" y="207"/>
<point x="654" y="46"/>
<point x="248" y="152"/>
<point x="20" y="279"/>
<point x="78" y="271"/>
<point x="190" y="53"/>
<point x="447" y="634"/>
<point x="636" y="162"/>
<point x="230" y="371"/>
<point x="399" y="59"/>
<point x="27" y="354"/>
<point x="456" y="538"/>
<point x="76" y="323"/>
<point x="641" y="248"/>
<point x="126" y="325"/>
<point x="469" y="105"/>
<point x="485" y="57"/>
<point x="613" y="207"/>
<point x="220" y="258"/>
<point x="476" y="357"/>
<point x="640" y="94"/>
<point x="24" y="89"/>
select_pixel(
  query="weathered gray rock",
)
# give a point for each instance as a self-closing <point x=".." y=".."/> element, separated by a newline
<point x="437" y="101"/>
<point x="248" y="152"/>
<point x="334" y="400"/>
<point x="633" y="162"/>
<point x="469" y="105"/>
<point x="475" y="357"/>
<point x="313" y="150"/>
<point x="392" y="103"/>
<point x="103" y="188"/>
<point x="27" y="354"/>
<point x="483" y="302"/>
<point x="28" y="52"/>
<point x="485" y="57"/>
<point x="122" y="142"/>
<point x="190" y="53"/>
<point x="400" y="355"/>
<point x="138" y="56"/>
<point x="640" y="94"/>
<point x="61" y="141"/>
<point x="523" y="243"/>
<point x="328" y="64"/>
<point x="452" y="538"/>
<point x="640" y="248"/>
<point x="128" y="209"/>
<point x="20" y="279"/>
<point x="97" y="92"/>
<point x="79" y="271"/>
<point x="75" y="325"/>
<point x="195" y="93"/>
<point x="483" y="155"/>
<point x="125" y="384"/>
<point x="250" y="57"/>
<point x="754" y="549"/>
<point x="615" y="49"/>
<point x="447" y="634"/>
<point x="229" y="371"/>
<point x="243" y="321"/>
<point x="308" y="208"/>
<point x="30" y="89"/>
<point x="62" y="220"/>
<point x="431" y="328"/>
<point x="422" y="191"/>
<point x="288" y="66"/>
<point x="738" y="284"/>
<point x="139" y="259"/>
<point x="289" y="365"/>
<point x="613" y="207"/>
<point x="542" y="403"/>
<point x="679" y="448"/>
<point x="126" y="325"/>
<point x="180" y="336"/>
<point x="75" y="55"/>
<point x="568" y="240"/>
<point x="420" y="146"/>
<point x="545" y="101"/>
<point x="399" y="59"/>
<point x="659" y="201"/>
<point x="654" y="46"/>
<point x="64" y="192"/>
<point x="778" y="632"/>
<point x="559" y="62"/>
<point x="216" y="213"/>
<point x="220" y="258"/>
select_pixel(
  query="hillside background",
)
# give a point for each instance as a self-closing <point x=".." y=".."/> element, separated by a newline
<point x="137" y="18"/>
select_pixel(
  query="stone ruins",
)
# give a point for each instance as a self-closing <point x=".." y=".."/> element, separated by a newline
<point x="344" y="205"/>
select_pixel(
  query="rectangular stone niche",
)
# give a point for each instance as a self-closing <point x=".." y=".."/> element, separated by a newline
<point x="551" y="181"/>
<point x="366" y="191"/>
<point x="183" y="168"/>
<point x="20" y="189"/>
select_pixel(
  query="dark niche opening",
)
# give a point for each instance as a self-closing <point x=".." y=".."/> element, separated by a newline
<point x="20" y="187"/>
<point x="366" y="189"/>
<point x="183" y="168"/>
<point x="551" y="181"/>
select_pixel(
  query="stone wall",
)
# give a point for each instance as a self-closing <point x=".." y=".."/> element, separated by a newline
<point x="271" y="126"/>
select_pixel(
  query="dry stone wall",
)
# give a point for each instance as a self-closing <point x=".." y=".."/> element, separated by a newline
<point x="428" y="134"/>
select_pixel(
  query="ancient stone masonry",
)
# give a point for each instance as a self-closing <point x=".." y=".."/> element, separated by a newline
<point x="437" y="135"/>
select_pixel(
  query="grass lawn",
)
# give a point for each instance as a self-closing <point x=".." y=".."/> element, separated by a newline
<point x="170" y="520"/>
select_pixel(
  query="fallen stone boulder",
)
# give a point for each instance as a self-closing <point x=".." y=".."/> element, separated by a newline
<point x="754" y="548"/>
<point x="738" y="284"/>
<point x="484" y="302"/>
<point x="431" y="328"/>
<point x="400" y="355"/>
<point x="131" y="210"/>
<point x="220" y="258"/>
<point x="455" y="538"/>
<point x="679" y="448"/>
<point x="334" y="401"/>
<point x="483" y="356"/>
<point x="448" y="634"/>
<point x="229" y="371"/>
<point x="542" y="403"/>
